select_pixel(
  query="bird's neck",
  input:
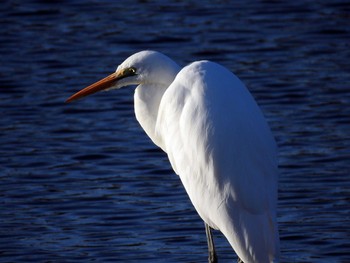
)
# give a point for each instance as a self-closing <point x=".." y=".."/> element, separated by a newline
<point x="147" y="99"/>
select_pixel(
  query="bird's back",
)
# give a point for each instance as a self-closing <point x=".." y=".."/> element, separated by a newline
<point x="220" y="145"/>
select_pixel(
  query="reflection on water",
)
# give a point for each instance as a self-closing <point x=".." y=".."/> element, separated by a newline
<point x="82" y="182"/>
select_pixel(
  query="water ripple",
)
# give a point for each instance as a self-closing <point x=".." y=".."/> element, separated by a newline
<point x="82" y="182"/>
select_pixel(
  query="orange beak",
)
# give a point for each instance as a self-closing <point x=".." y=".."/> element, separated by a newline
<point x="103" y="84"/>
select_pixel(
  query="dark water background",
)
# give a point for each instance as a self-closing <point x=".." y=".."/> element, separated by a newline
<point x="83" y="183"/>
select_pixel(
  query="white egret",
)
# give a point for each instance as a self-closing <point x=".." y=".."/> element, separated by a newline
<point x="217" y="141"/>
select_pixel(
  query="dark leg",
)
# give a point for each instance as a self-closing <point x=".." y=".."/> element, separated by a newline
<point x="239" y="260"/>
<point x="212" y="255"/>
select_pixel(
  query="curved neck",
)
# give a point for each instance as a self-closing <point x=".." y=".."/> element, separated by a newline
<point x="147" y="99"/>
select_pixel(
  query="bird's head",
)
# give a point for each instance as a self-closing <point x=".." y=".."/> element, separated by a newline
<point x="142" y="67"/>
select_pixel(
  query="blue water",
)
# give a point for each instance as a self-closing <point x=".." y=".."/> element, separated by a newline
<point x="83" y="183"/>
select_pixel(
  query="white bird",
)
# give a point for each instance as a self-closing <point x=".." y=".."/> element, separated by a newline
<point x="217" y="141"/>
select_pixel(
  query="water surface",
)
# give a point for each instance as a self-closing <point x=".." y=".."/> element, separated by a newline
<point x="83" y="183"/>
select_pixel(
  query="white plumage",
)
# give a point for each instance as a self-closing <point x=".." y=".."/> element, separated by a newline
<point x="217" y="141"/>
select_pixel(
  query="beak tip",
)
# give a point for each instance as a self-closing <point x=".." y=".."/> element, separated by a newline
<point x="69" y="100"/>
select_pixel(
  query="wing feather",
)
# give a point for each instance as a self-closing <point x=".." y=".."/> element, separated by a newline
<point x="220" y="145"/>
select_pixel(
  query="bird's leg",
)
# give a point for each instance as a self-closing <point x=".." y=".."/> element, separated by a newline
<point x="239" y="260"/>
<point x="212" y="254"/>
